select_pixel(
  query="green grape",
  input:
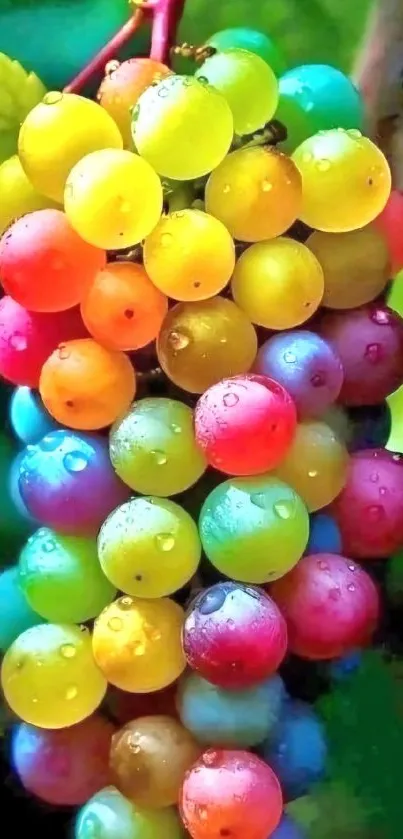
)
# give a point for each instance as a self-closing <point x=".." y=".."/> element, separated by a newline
<point x="253" y="41"/>
<point x="50" y="678"/>
<point x="182" y="127"/>
<point x="149" y="547"/>
<point x="18" y="196"/>
<point x="316" y="97"/>
<point x="61" y="577"/>
<point x="247" y="83"/>
<point x="254" y="529"/>
<point x="108" y="815"/>
<point x="153" y="447"/>
<point x="16" y="614"/>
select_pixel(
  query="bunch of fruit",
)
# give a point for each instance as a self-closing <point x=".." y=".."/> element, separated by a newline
<point x="184" y="542"/>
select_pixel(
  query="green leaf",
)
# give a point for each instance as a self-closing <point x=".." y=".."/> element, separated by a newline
<point x="19" y="93"/>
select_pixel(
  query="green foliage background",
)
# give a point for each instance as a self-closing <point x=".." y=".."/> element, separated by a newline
<point x="55" y="38"/>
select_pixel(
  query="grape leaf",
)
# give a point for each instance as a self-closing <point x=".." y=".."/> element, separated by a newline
<point x="19" y="93"/>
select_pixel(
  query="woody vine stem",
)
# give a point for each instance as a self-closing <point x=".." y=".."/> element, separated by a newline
<point x="165" y="17"/>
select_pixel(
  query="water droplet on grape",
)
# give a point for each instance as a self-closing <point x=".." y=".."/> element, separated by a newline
<point x="351" y="567"/>
<point x="375" y="512"/>
<point x="313" y="473"/>
<point x="284" y="509"/>
<point x="50" y="442"/>
<point x="159" y="457"/>
<point x="381" y="317"/>
<point x="323" y="165"/>
<point x="226" y="189"/>
<point x="374" y="477"/>
<point x="334" y="594"/>
<point x="176" y="428"/>
<point x="18" y="341"/>
<point x="259" y="500"/>
<point x="351" y="587"/>
<point x="71" y="692"/>
<point x="68" y="650"/>
<point x="323" y="565"/>
<point x="290" y="357"/>
<point x="125" y="603"/>
<point x="166" y="240"/>
<point x="318" y="380"/>
<point x="230" y="400"/>
<point x="115" y="624"/>
<point x="52" y="98"/>
<point x="75" y="461"/>
<point x="178" y="341"/>
<point x="49" y="546"/>
<point x="212" y="601"/>
<point x="374" y="353"/>
<point x="307" y="157"/>
<point x="267" y="186"/>
<point x="63" y="351"/>
<point x="165" y="541"/>
<point x="134" y="747"/>
<point x="354" y="132"/>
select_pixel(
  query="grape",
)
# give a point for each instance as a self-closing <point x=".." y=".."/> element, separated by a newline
<point x="85" y="386"/>
<point x="61" y="577"/>
<point x="18" y="196"/>
<point x="50" y="678"/>
<point x="113" y="198"/>
<point x="356" y="266"/>
<point x="346" y="180"/>
<point x="114" y="817"/>
<point x="149" y="757"/>
<point x="247" y="83"/>
<point x="278" y="284"/>
<point x="16" y="614"/>
<point x="149" y="547"/>
<point x="137" y="643"/>
<point x="315" y="465"/>
<point x="57" y="133"/>
<point x="254" y="529"/>
<point x="123" y="310"/>
<point x="189" y="255"/>
<point x="183" y="127"/>
<point x="201" y="343"/>
<point x="256" y="193"/>
<point x="153" y="447"/>
<point x="316" y="97"/>
<point x="251" y="40"/>
<point x="121" y="89"/>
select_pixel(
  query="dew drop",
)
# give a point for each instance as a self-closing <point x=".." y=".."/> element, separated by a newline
<point x="351" y="567"/>
<point x="176" y="428"/>
<point x="323" y="165"/>
<point x="75" y="461"/>
<point x="159" y="457"/>
<point x="71" y="692"/>
<point x="313" y="473"/>
<point x="318" y="380"/>
<point x="290" y="357"/>
<point x="50" y="442"/>
<point x="267" y="186"/>
<point x="134" y="747"/>
<point x="374" y="353"/>
<point x="18" y="341"/>
<point x="52" y="98"/>
<point x="230" y="399"/>
<point x="178" y="341"/>
<point x="115" y="624"/>
<point x="381" y="317"/>
<point x="374" y="477"/>
<point x="354" y="132"/>
<point x="259" y="500"/>
<point x="375" y="513"/>
<point x="125" y="603"/>
<point x="212" y="601"/>
<point x="323" y="565"/>
<point x="307" y="157"/>
<point x="63" y="351"/>
<point x="68" y="650"/>
<point x="284" y="509"/>
<point x="49" y="546"/>
<point x="166" y="240"/>
<point x="351" y="587"/>
<point x="226" y="189"/>
<point x="165" y="541"/>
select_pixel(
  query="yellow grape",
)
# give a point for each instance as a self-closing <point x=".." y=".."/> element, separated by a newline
<point x="183" y="127"/>
<point x="356" y="266"/>
<point x="57" y="133"/>
<point x="113" y="199"/>
<point x="247" y="83"/>
<point x="256" y="193"/>
<point x="346" y="180"/>
<point x="18" y="196"/>
<point x="189" y="255"/>
<point x="201" y="343"/>
<point x="278" y="284"/>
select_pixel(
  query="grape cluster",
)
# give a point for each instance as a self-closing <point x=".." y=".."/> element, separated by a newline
<point x="193" y="316"/>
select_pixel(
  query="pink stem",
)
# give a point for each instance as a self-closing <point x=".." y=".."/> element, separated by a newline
<point x="166" y="15"/>
<point x="107" y="53"/>
<point x="166" y="18"/>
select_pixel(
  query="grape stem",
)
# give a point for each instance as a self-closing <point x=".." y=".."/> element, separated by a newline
<point x="272" y="133"/>
<point x="165" y="16"/>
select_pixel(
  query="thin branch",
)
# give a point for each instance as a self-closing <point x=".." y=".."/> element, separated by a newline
<point x="165" y="15"/>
